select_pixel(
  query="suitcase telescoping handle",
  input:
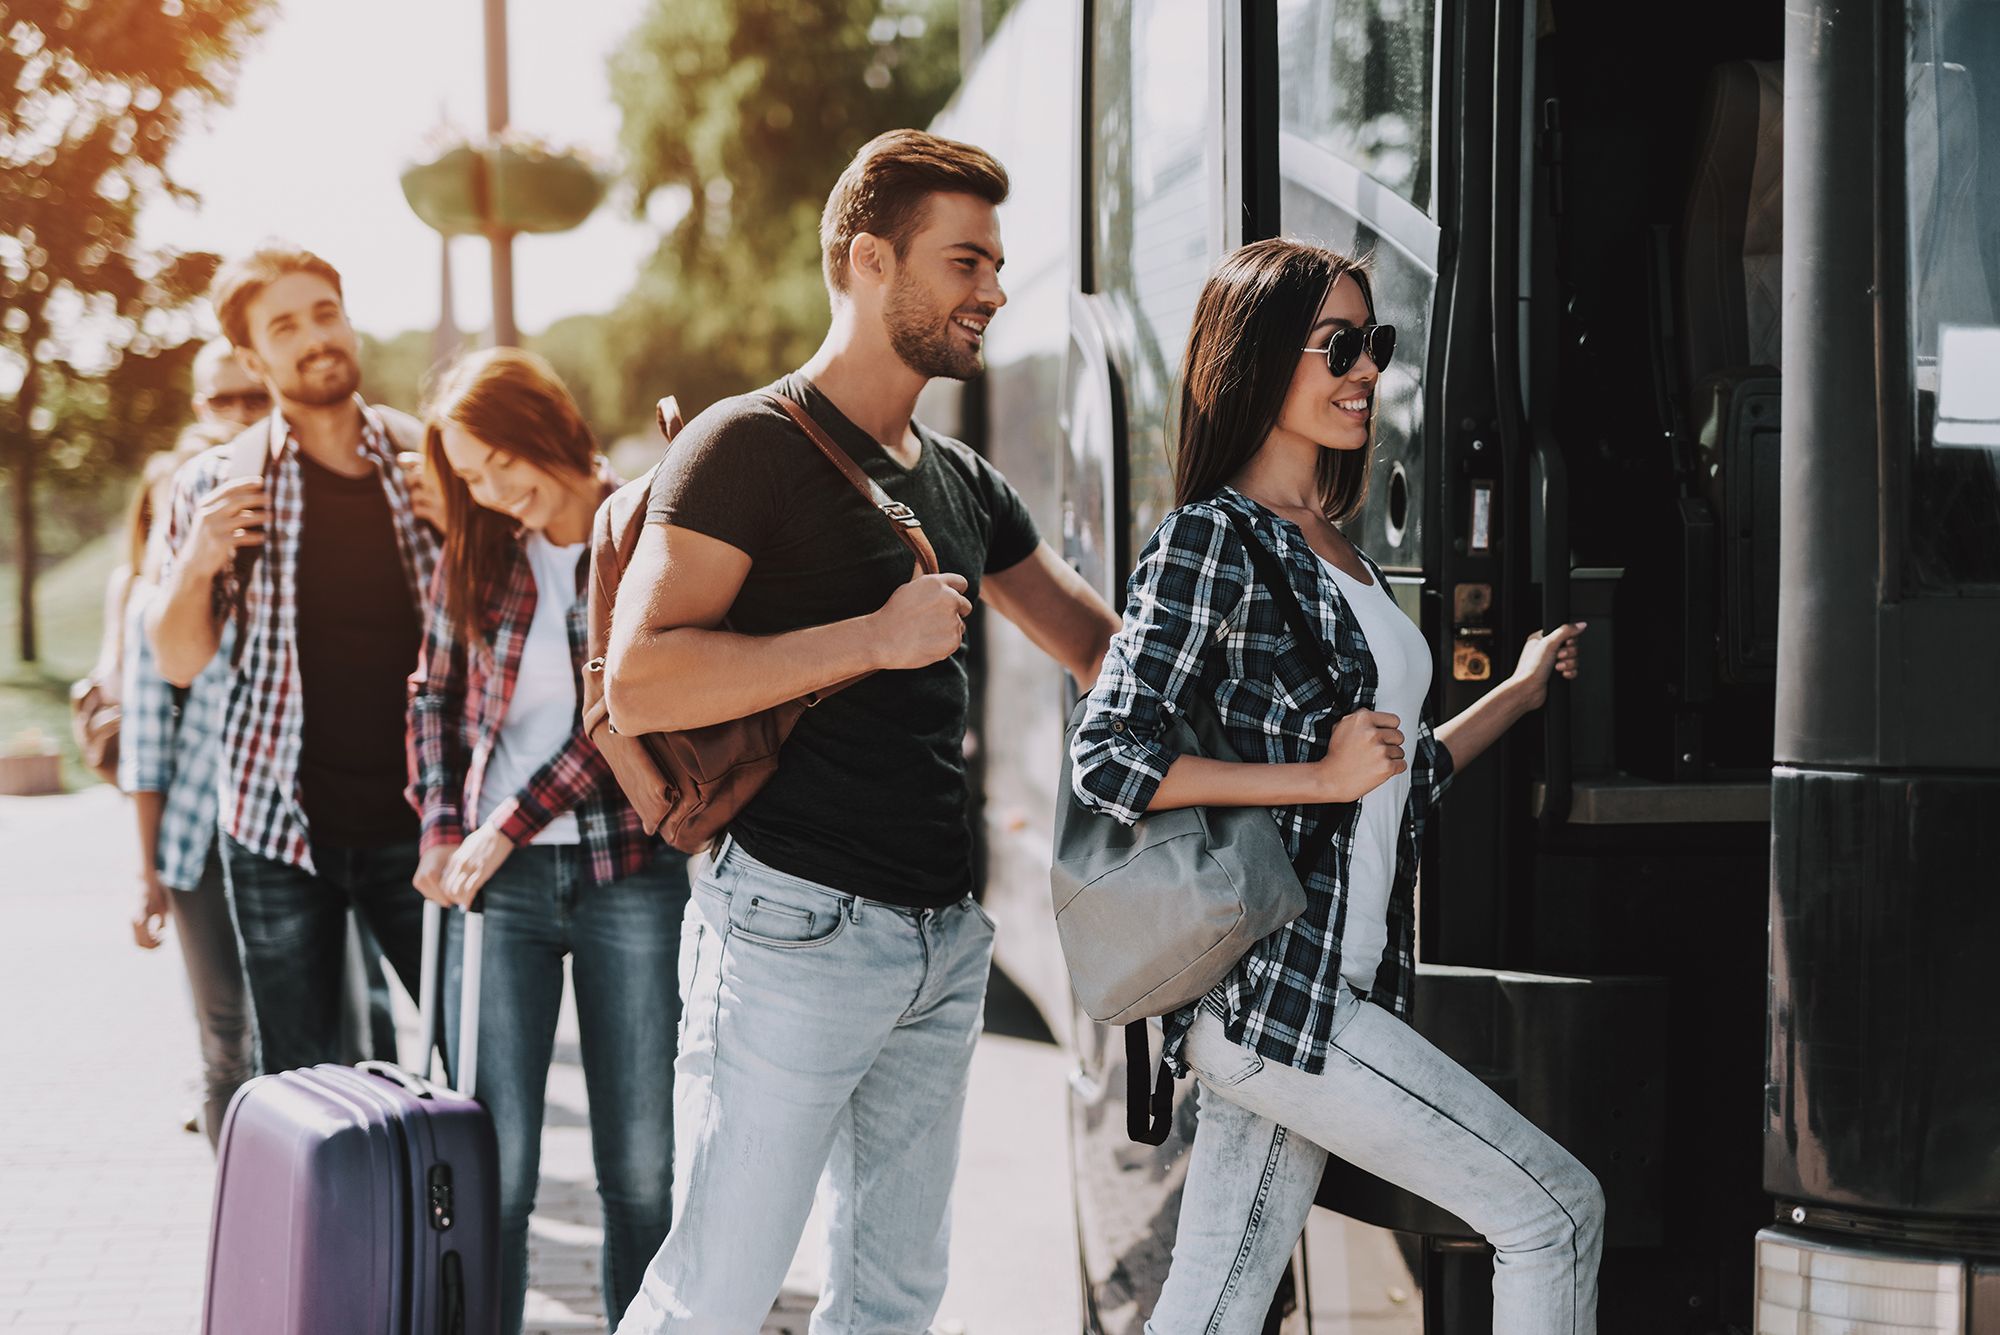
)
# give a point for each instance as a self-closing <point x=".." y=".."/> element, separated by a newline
<point x="430" y="982"/>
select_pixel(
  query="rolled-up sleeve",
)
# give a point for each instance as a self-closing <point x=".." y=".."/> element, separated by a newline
<point x="1188" y="587"/>
<point x="1429" y="776"/>
<point x="437" y="704"/>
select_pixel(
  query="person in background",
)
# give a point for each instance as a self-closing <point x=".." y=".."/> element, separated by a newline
<point x="321" y="565"/>
<point x="225" y="393"/>
<point x="167" y="763"/>
<point x="519" y="806"/>
<point x="224" y="396"/>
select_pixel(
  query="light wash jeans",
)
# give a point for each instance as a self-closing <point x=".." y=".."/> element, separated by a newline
<point x="1392" y="1104"/>
<point x="824" y="1038"/>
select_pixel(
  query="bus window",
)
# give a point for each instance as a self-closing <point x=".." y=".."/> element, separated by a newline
<point x="1952" y="142"/>
<point x="1354" y="98"/>
<point x="1153" y="174"/>
<point x="1354" y="77"/>
<point x="1390" y="528"/>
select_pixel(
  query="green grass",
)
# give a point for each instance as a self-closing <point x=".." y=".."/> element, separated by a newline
<point x="70" y="605"/>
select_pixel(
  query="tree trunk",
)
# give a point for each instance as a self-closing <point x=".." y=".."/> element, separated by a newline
<point x="24" y="525"/>
<point x="24" y="510"/>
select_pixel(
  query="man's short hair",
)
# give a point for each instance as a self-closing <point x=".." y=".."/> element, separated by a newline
<point x="238" y="282"/>
<point x="885" y="192"/>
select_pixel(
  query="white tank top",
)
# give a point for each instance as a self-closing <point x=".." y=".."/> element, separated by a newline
<point x="541" y="714"/>
<point x="1402" y="679"/>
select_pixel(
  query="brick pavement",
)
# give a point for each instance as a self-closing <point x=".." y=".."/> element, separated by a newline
<point x="104" y="1199"/>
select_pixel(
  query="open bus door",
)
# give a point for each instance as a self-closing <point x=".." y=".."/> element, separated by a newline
<point x="1647" y="318"/>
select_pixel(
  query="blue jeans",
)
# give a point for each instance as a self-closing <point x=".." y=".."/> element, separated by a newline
<point x="824" y="1034"/>
<point x="623" y="940"/>
<point x="293" y="928"/>
<point x="215" y="981"/>
<point x="1389" y="1102"/>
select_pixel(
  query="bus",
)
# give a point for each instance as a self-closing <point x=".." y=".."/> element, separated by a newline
<point x="1699" y="313"/>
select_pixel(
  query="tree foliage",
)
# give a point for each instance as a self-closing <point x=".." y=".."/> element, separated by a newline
<point x="93" y="95"/>
<point x="747" y="110"/>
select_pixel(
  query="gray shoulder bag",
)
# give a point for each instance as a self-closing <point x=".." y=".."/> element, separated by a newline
<point x="1153" y="915"/>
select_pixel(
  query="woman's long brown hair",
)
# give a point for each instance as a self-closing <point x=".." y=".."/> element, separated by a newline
<point x="1249" y="329"/>
<point x="514" y="402"/>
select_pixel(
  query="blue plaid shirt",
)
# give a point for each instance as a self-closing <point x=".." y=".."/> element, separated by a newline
<point x="1196" y="619"/>
<point x="179" y="753"/>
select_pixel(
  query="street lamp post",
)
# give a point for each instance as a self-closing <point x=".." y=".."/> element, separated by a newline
<point x="500" y="186"/>
<point x="499" y="239"/>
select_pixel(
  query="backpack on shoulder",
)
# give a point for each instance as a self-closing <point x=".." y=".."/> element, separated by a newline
<point x="688" y="785"/>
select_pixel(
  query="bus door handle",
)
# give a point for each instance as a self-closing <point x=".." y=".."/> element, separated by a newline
<point x="1557" y="763"/>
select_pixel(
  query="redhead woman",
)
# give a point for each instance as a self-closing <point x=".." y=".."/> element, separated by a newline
<point x="1304" y="1048"/>
<point x="518" y="805"/>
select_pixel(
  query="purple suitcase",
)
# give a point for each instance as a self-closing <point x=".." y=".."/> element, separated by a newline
<point x="360" y="1200"/>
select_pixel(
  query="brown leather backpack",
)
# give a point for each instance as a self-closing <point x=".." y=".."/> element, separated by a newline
<point x="688" y="785"/>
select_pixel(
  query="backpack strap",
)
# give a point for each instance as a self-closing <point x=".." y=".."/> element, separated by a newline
<point x="908" y="527"/>
<point x="1148" y="1116"/>
<point x="1271" y="574"/>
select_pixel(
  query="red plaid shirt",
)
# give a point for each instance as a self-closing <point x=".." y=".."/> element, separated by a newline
<point x="458" y="701"/>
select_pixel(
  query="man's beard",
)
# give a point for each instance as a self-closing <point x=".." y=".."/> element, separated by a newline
<point x="924" y="342"/>
<point x="323" y="389"/>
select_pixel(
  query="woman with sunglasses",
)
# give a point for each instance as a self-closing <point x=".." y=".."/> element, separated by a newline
<point x="1304" y="1049"/>
<point x="518" y="803"/>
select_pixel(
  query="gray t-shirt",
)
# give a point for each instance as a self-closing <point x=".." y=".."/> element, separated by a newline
<point x="870" y="792"/>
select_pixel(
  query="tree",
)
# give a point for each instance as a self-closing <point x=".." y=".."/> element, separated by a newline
<point x="93" y="94"/>
<point x="398" y="369"/>
<point x="748" y="109"/>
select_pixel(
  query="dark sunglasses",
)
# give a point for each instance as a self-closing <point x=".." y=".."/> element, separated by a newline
<point x="1345" y="345"/>
<point x="255" y="399"/>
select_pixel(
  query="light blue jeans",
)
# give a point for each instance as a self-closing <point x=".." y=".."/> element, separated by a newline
<point x="824" y="1039"/>
<point x="1392" y="1104"/>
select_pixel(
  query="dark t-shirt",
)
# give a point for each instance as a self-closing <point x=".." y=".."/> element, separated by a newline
<point x="358" y="636"/>
<point x="870" y="793"/>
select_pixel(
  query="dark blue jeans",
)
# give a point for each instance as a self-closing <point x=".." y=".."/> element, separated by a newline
<point x="293" y="926"/>
<point x="624" y="944"/>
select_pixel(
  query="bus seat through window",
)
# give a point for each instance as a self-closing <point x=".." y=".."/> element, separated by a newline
<point x="1732" y="235"/>
<point x="1730" y="295"/>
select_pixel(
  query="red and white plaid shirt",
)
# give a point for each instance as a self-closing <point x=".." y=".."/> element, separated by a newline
<point x="264" y="725"/>
<point x="458" y="701"/>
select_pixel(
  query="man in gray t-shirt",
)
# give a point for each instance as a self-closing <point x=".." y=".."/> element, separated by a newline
<point x="834" y="964"/>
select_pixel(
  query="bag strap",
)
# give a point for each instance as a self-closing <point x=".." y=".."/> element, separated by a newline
<point x="1272" y="575"/>
<point x="900" y="516"/>
<point x="1148" y="1118"/>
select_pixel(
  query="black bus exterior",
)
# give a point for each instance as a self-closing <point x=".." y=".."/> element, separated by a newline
<point x="1700" y="342"/>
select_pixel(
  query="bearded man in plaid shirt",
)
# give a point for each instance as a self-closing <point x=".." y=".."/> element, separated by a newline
<point x="323" y="559"/>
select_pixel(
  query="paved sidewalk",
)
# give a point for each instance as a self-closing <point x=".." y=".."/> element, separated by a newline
<point x="104" y="1199"/>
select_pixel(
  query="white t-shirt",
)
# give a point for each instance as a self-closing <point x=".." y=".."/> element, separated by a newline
<point x="541" y="715"/>
<point x="1402" y="679"/>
